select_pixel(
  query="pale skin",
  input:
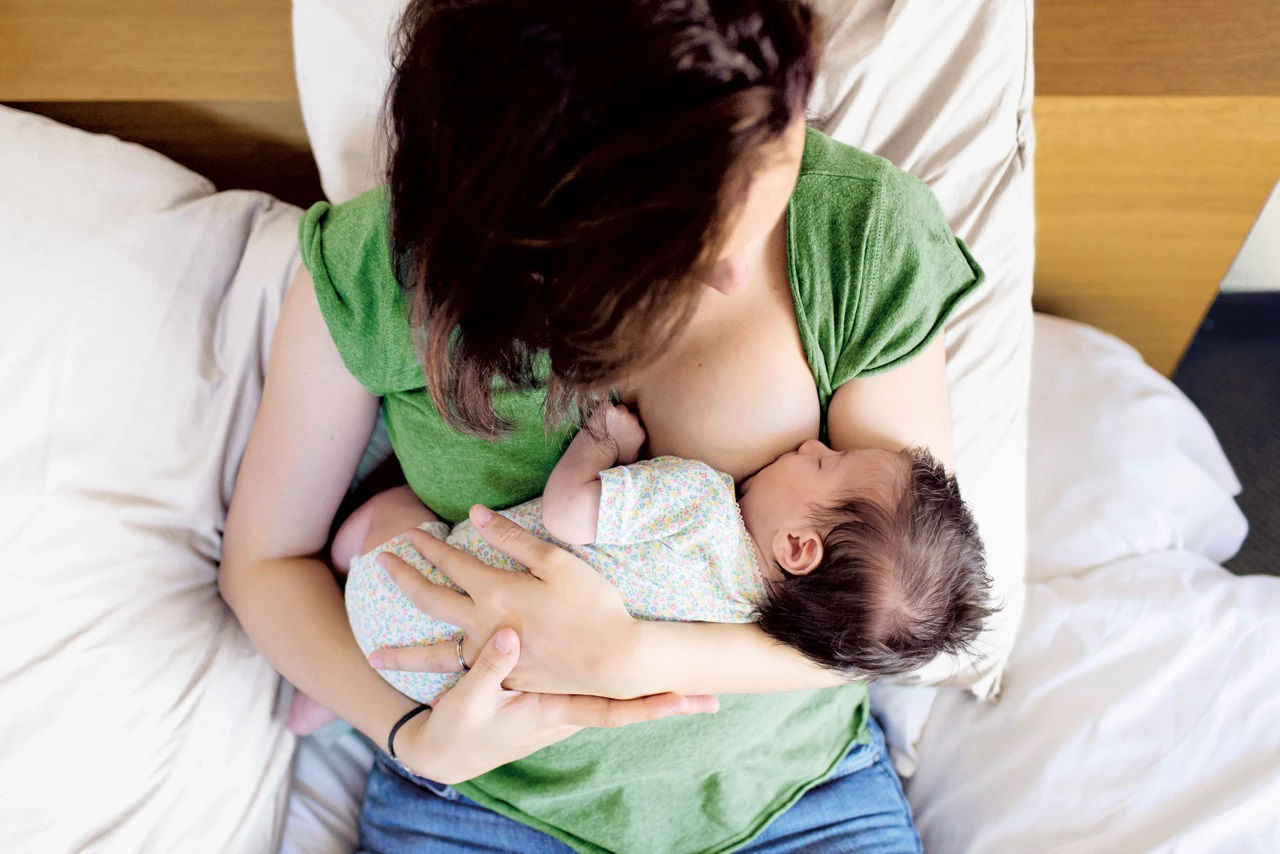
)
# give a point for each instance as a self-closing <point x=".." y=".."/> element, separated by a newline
<point x="734" y="391"/>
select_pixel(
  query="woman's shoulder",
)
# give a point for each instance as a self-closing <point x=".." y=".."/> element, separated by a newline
<point x="849" y="186"/>
<point x="825" y="156"/>
<point x="876" y="268"/>
<point x="357" y="227"/>
<point x="346" y="248"/>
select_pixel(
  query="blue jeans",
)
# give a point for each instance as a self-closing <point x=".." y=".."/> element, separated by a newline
<point x="860" y="807"/>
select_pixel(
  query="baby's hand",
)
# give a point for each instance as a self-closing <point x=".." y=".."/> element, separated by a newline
<point x="621" y="427"/>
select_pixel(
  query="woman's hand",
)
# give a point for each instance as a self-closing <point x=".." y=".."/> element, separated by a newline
<point x="576" y="635"/>
<point x="478" y="725"/>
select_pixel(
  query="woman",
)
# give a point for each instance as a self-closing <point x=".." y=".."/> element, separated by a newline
<point x="593" y="199"/>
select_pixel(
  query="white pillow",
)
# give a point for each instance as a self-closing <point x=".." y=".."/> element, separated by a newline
<point x="342" y="58"/>
<point x="1122" y="463"/>
<point x="134" y="712"/>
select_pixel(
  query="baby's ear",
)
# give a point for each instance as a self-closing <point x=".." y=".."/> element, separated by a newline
<point x="798" y="552"/>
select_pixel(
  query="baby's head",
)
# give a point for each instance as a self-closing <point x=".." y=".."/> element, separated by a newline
<point x="872" y="560"/>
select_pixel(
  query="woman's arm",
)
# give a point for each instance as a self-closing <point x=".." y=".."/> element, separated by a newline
<point x="907" y="407"/>
<point x="602" y="650"/>
<point x="904" y="407"/>
<point x="307" y="438"/>
<point x="311" y="427"/>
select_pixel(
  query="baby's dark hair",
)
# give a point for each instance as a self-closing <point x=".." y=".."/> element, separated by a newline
<point x="897" y="585"/>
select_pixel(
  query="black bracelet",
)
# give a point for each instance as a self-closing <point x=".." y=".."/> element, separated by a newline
<point x="391" y="737"/>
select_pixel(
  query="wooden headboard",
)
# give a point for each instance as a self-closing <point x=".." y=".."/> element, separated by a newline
<point x="210" y="84"/>
<point x="1158" y="128"/>
<point x="1159" y="141"/>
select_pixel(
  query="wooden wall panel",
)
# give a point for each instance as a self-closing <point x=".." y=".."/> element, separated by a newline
<point x="208" y="83"/>
<point x="1157" y="47"/>
<point x="146" y="50"/>
<point x="1158" y="128"/>
<point x="1143" y="204"/>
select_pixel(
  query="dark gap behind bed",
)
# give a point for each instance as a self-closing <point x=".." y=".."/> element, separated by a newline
<point x="1232" y="372"/>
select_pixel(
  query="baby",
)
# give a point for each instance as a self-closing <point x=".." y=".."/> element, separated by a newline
<point x="866" y="561"/>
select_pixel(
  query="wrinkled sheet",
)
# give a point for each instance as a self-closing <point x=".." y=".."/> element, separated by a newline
<point x="1139" y="713"/>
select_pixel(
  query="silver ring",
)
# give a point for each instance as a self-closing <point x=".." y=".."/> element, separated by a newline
<point x="462" y="662"/>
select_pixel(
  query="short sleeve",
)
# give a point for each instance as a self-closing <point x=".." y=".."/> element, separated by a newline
<point x="918" y="273"/>
<point x="659" y="498"/>
<point x="347" y="250"/>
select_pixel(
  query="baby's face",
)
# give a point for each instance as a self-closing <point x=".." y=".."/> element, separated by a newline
<point x="782" y="495"/>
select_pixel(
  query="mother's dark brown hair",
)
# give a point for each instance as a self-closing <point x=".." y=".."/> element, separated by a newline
<point x="562" y="173"/>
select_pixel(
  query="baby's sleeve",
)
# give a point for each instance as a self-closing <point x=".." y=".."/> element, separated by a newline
<point x="659" y="498"/>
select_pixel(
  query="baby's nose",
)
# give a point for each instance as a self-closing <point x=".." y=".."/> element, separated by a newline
<point x="812" y="446"/>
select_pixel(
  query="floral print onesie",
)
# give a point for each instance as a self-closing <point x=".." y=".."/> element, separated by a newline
<point x="669" y="536"/>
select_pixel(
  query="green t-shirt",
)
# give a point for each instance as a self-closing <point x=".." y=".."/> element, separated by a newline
<point x="875" y="273"/>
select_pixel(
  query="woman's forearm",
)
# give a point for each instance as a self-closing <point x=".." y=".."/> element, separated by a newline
<point x="293" y="611"/>
<point x="720" y="658"/>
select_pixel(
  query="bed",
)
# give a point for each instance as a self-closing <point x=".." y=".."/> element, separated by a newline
<point x="1126" y="699"/>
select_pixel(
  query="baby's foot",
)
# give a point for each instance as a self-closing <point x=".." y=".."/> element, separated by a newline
<point x="307" y="716"/>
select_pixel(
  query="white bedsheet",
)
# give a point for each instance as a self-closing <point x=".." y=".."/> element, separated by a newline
<point x="1139" y="714"/>
<point x="1140" y="706"/>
